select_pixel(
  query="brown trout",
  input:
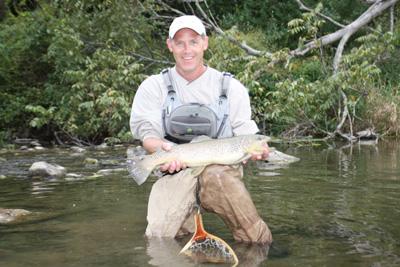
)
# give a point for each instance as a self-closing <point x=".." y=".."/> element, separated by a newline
<point x="201" y="151"/>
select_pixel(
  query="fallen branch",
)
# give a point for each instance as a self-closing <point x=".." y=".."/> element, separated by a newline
<point x="305" y="8"/>
<point x="346" y="32"/>
<point x="249" y="50"/>
<point x="392" y="18"/>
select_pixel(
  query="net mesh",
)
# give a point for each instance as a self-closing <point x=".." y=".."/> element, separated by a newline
<point x="205" y="247"/>
<point x="210" y="249"/>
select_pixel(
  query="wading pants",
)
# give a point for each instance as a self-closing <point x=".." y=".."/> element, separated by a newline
<point x="222" y="192"/>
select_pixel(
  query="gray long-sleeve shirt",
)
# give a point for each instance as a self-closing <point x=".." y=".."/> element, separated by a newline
<point x="146" y="114"/>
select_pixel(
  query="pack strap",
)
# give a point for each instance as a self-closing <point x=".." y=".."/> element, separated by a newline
<point x="223" y="101"/>
<point x="167" y="80"/>
<point x="226" y="80"/>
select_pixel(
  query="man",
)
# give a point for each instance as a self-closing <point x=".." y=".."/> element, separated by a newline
<point x="192" y="87"/>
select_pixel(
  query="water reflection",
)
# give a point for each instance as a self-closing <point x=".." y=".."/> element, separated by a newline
<point x="164" y="252"/>
<point x="41" y="188"/>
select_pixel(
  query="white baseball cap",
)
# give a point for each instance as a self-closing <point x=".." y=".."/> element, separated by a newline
<point x="187" y="21"/>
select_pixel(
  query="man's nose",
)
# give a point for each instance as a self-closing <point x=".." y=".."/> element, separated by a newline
<point x="186" y="47"/>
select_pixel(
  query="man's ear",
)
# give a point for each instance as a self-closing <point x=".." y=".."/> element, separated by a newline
<point x="205" y="43"/>
<point x="169" y="44"/>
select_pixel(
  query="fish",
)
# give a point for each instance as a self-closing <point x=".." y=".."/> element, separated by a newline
<point x="205" y="247"/>
<point x="202" y="151"/>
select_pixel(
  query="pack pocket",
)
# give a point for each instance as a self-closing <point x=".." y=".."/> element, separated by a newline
<point x="191" y="120"/>
<point x="192" y="129"/>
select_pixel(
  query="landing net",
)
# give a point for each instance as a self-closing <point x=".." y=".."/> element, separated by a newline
<point x="205" y="247"/>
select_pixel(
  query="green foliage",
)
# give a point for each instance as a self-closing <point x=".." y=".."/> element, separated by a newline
<point x="73" y="66"/>
<point x="309" y="25"/>
<point x="101" y="92"/>
<point x="23" y="69"/>
<point x="69" y="66"/>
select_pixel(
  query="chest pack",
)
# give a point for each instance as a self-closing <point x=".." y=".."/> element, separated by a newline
<point x="183" y="122"/>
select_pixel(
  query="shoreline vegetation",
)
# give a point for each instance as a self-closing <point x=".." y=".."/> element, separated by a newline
<point x="315" y="70"/>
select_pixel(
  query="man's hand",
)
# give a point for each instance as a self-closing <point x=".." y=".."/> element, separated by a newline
<point x="153" y="144"/>
<point x="259" y="156"/>
<point x="173" y="166"/>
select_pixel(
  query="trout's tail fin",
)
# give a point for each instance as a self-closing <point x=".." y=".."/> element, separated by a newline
<point x="137" y="169"/>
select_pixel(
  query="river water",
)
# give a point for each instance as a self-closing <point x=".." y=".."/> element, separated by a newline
<point x="335" y="207"/>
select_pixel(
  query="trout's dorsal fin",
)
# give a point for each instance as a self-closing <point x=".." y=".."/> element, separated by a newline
<point x="200" y="138"/>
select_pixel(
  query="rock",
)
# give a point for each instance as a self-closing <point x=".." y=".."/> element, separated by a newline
<point x="23" y="148"/>
<point x="110" y="171"/>
<point x="91" y="162"/>
<point x="92" y="177"/>
<point x="35" y="143"/>
<point x="45" y="169"/>
<point x="78" y="149"/>
<point x="2" y="159"/>
<point x="11" y="215"/>
<point x="2" y="176"/>
<point x="77" y="155"/>
<point x="102" y="146"/>
<point x="109" y="162"/>
<point x="269" y="174"/>
<point x="39" y="148"/>
<point x="74" y="175"/>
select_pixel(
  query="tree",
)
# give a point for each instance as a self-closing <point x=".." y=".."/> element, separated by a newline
<point x="342" y="35"/>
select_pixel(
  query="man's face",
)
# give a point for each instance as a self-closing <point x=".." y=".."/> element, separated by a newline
<point x="188" y="49"/>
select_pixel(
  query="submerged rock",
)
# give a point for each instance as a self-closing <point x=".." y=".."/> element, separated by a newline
<point x="45" y="169"/>
<point x="269" y="174"/>
<point x="12" y="215"/>
<point x="110" y="171"/>
<point x="74" y="175"/>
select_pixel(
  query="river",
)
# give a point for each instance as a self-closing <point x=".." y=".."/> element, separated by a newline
<point x="334" y="207"/>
